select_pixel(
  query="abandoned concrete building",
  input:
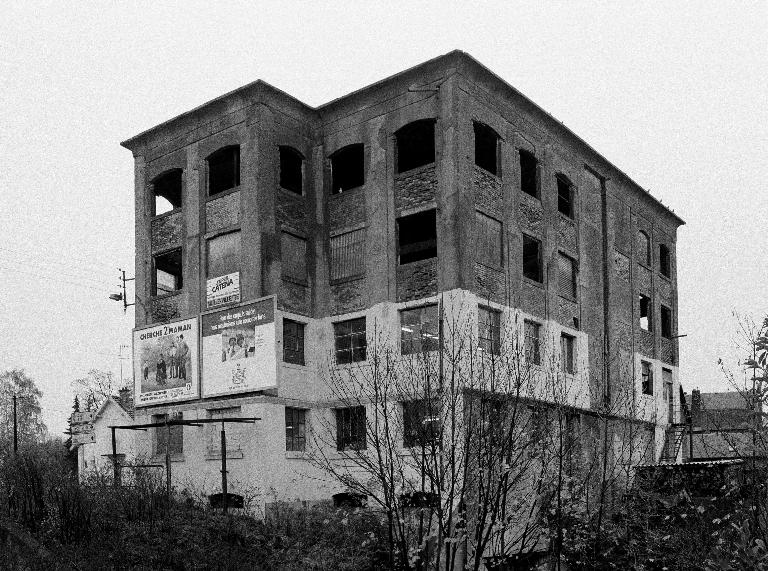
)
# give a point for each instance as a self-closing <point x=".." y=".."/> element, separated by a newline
<point x="271" y="235"/>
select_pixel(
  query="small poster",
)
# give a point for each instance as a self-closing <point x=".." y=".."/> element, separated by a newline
<point x="239" y="352"/>
<point x="223" y="290"/>
<point x="165" y="362"/>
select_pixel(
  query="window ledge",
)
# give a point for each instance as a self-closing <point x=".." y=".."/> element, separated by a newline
<point x="490" y="267"/>
<point x="351" y="365"/>
<point x="296" y="455"/>
<point x="231" y="455"/>
<point x="295" y="281"/>
<point x="212" y="197"/>
<point x="166" y="214"/>
<point x="536" y="199"/>
<point x="567" y="297"/>
<point x="567" y="219"/>
<point x="415" y="170"/>
<point x="295" y="366"/>
<point x="160" y="458"/>
<point x="347" y="454"/>
<point x="665" y="278"/>
<point x="486" y="172"/>
<point x="533" y="282"/>
<point x="300" y="195"/>
<point x="166" y="295"/>
<point x="336" y="194"/>
<point x="347" y="279"/>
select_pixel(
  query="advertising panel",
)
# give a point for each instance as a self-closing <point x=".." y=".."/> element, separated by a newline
<point x="223" y="290"/>
<point x="239" y="349"/>
<point x="165" y="362"/>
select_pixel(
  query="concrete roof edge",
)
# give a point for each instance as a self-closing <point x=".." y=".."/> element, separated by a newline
<point x="254" y="86"/>
<point x="559" y="124"/>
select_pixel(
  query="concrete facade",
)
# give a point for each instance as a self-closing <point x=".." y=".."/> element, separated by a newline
<point x="456" y="92"/>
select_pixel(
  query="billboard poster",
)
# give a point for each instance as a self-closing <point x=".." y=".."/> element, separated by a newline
<point x="223" y="290"/>
<point x="239" y="349"/>
<point x="165" y="362"/>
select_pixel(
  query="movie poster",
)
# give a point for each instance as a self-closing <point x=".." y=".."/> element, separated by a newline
<point x="165" y="363"/>
<point x="239" y="349"/>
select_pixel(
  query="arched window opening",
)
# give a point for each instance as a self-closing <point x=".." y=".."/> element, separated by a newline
<point x="415" y="145"/>
<point x="347" y="168"/>
<point x="166" y="190"/>
<point x="224" y="170"/>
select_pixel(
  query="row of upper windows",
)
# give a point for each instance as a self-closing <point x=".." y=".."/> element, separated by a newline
<point x="646" y="319"/>
<point x="415" y="147"/>
<point x="644" y="254"/>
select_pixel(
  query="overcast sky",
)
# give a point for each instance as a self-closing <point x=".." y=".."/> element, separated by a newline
<point x="675" y="97"/>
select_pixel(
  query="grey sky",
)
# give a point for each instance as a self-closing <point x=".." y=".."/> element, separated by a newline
<point x="675" y="97"/>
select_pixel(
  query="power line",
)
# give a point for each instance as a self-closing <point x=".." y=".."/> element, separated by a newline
<point x="48" y="278"/>
<point x="57" y="267"/>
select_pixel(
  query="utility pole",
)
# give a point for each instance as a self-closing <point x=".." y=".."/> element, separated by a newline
<point x="15" y="428"/>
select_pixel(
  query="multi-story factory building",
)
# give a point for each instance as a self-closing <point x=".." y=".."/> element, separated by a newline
<point x="274" y="238"/>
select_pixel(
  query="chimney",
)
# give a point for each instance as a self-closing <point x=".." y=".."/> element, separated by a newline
<point x="696" y="407"/>
<point x="125" y="399"/>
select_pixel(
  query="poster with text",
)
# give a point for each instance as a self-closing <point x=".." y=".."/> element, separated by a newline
<point x="165" y="363"/>
<point x="223" y="290"/>
<point x="239" y="349"/>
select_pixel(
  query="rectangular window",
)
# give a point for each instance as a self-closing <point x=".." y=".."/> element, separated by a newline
<point x="421" y="423"/>
<point x="350" y="428"/>
<point x="532" y="258"/>
<point x="348" y="255"/>
<point x="568" y="353"/>
<point x="486" y="148"/>
<point x="419" y="329"/>
<point x="529" y="174"/>
<point x="415" y="145"/>
<point x="489" y="330"/>
<point x="417" y="237"/>
<point x="350" y="340"/>
<point x="168" y="272"/>
<point x="564" y="197"/>
<point x="293" y="342"/>
<point x="223" y="170"/>
<point x="294" y="257"/>
<point x="666" y="322"/>
<point x="234" y="431"/>
<point x="176" y="443"/>
<point x="295" y="429"/>
<point x="223" y="255"/>
<point x="533" y="342"/>
<point x="669" y="397"/>
<point x="489" y="246"/>
<point x="646" y="322"/>
<point x="647" y="372"/>
<point x="566" y="276"/>
<point x="665" y="267"/>
<point x="291" y="169"/>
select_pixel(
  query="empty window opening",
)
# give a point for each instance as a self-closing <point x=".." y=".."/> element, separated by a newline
<point x="350" y="428"/>
<point x="643" y="248"/>
<point x="486" y="148"/>
<point x="167" y="191"/>
<point x="293" y="342"/>
<point x="529" y="174"/>
<point x="489" y="330"/>
<point x="664" y="262"/>
<point x="417" y="236"/>
<point x="489" y="241"/>
<point x="168" y="272"/>
<point x="223" y="255"/>
<point x="419" y="329"/>
<point x="568" y="353"/>
<point x="348" y="255"/>
<point x="293" y="257"/>
<point x="169" y="438"/>
<point x="532" y="342"/>
<point x="566" y="276"/>
<point x="647" y="374"/>
<point x="223" y="170"/>
<point x="295" y="429"/>
<point x="564" y="196"/>
<point x="532" y="258"/>
<point x="669" y="395"/>
<point x="347" y="168"/>
<point x="646" y="322"/>
<point x="421" y="423"/>
<point x="291" y="169"/>
<point x="666" y="322"/>
<point x="350" y="340"/>
<point x="415" y="145"/>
